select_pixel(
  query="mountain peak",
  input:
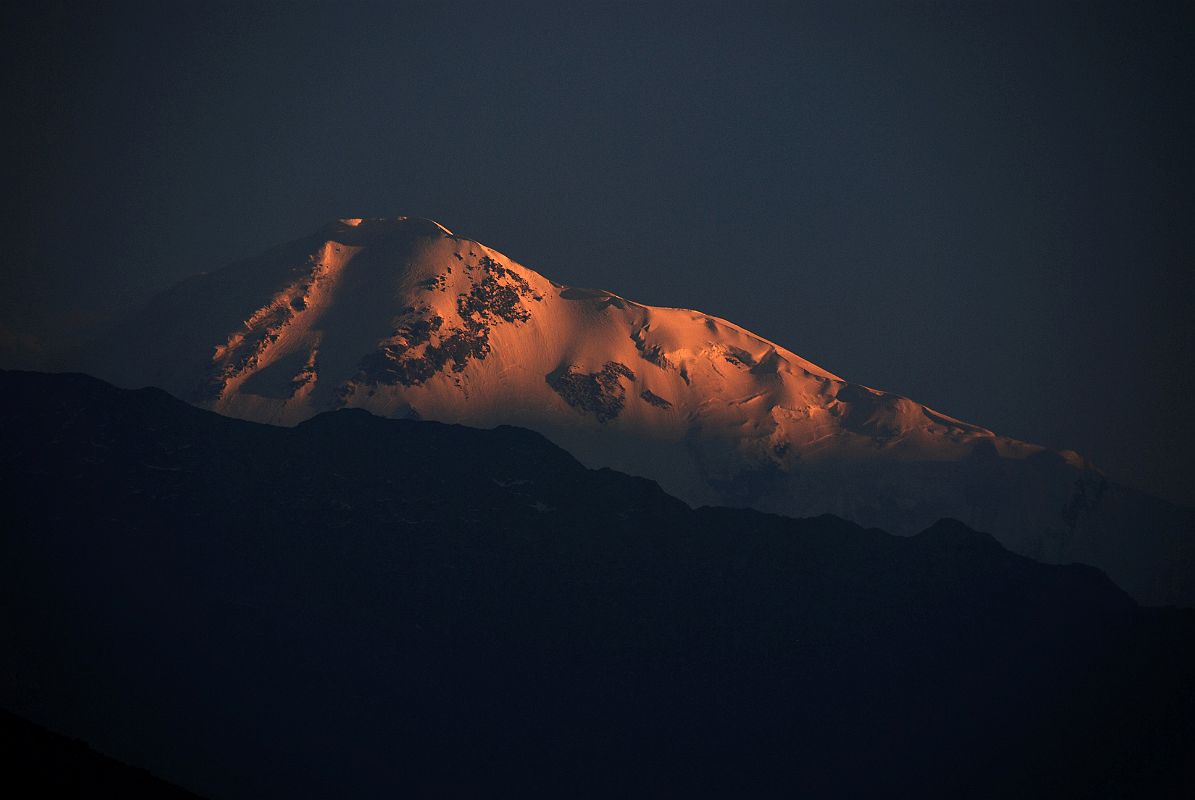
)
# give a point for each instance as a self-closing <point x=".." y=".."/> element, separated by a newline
<point x="374" y="228"/>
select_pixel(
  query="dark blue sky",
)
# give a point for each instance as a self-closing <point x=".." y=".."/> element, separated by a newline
<point x="985" y="206"/>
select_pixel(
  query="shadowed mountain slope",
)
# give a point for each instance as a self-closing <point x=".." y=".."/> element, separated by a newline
<point x="366" y="607"/>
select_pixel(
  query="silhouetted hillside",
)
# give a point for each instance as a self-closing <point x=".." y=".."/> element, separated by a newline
<point x="362" y="607"/>
<point x="35" y="762"/>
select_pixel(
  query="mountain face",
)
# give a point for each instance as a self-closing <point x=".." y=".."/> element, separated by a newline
<point x="405" y="319"/>
<point x="363" y="607"/>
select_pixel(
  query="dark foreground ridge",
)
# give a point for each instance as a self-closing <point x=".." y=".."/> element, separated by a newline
<point x="45" y="764"/>
<point x="361" y="607"/>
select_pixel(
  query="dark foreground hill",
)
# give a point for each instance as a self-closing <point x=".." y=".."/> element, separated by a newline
<point x="41" y="763"/>
<point x="360" y="607"/>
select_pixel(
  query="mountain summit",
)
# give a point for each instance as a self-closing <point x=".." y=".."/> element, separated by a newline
<point x="403" y="318"/>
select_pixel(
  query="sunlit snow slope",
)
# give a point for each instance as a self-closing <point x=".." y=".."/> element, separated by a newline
<point x="405" y="319"/>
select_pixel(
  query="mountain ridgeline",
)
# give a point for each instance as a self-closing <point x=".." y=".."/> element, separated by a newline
<point x="364" y="607"/>
<point x="405" y="319"/>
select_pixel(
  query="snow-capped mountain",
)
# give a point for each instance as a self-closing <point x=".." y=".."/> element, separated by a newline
<point x="403" y="318"/>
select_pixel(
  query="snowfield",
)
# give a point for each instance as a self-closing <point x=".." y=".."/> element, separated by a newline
<point x="405" y="319"/>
